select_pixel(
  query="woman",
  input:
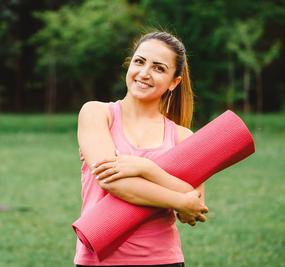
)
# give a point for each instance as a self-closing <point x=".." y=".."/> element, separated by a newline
<point x="118" y="140"/>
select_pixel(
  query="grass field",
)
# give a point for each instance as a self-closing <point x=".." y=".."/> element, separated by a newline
<point x="40" y="198"/>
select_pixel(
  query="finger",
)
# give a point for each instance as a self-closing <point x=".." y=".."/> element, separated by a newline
<point x="204" y="209"/>
<point x="201" y="218"/>
<point x="181" y="219"/>
<point x="102" y="168"/>
<point x="192" y="222"/>
<point x="112" y="178"/>
<point x="81" y="157"/>
<point x="99" y="163"/>
<point x="107" y="173"/>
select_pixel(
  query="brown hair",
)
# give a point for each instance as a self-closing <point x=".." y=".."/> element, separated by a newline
<point x="181" y="102"/>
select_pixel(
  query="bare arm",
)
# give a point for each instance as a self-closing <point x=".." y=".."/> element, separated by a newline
<point x="142" y="192"/>
<point x="96" y="143"/>
<point x="94" y="137"/>
<point x="123" y="166"/>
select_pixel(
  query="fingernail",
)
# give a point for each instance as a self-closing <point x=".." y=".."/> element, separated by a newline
<point x="94" y="164"/>
<point x="104" y="181"/>
<point x="97" y="177"/>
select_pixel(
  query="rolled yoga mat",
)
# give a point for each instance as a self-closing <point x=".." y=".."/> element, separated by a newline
<point x="216" y="146"/>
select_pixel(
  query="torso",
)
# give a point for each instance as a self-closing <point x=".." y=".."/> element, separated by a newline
<point x="157" y="240"/>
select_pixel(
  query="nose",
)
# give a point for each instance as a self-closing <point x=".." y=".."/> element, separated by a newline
<point x="144" y="72"/>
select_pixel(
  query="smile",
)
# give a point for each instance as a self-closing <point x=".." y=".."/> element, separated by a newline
<point x="143" y="84"/>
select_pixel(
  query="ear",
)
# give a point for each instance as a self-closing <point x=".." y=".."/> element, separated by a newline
<point x="174" y="83"/>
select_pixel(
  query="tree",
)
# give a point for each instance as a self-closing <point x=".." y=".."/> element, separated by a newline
<point x="243" y="39"/>
<point x="16" y="54"/>
<point x="11" y="50"/>
<point x="86" y="42"/>
<point x="206" y="28"/>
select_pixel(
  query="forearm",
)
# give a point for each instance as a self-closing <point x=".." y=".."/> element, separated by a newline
<point x="142" y="192"/>
<point x="124" y="166"/>
<point x="158" y="176"/>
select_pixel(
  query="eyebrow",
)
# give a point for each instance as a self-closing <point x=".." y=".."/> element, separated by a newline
<point x="154" y="62"/>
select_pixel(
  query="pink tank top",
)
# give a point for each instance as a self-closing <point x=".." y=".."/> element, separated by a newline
<point x="154" y="242"/>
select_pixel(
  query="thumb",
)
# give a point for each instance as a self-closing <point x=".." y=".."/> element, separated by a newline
<point x="205" y="209"/>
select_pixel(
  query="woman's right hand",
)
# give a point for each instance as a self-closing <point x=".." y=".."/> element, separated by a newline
<point x="121" y="166"/>
<point x="192" y="208"/>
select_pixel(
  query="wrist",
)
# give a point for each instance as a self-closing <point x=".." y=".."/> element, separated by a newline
<point x="180" y="202"/>
<point x="146" y="170"/>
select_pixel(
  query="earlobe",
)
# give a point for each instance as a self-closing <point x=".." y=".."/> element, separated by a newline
<point x="175" y="82"/>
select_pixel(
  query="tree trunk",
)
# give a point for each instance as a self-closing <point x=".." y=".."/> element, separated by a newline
<point x="259" y="91"/>
<point x="246" y="87"/>
<point x="51" y="88"/>
<point x="19" y="83"/>
<point x="231" y="87"/>
<point x="88" y="88"/>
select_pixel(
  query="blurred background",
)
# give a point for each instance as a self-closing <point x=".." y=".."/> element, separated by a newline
<point x="57" y="55"/>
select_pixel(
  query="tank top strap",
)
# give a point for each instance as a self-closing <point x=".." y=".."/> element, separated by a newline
<point x="170" y="132"/>
<point x="115" y="112"/>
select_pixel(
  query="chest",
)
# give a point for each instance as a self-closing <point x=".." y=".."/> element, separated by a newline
<point x="144" y="134"/>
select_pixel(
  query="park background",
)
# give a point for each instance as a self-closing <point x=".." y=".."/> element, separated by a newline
<point x="56" y="55"/>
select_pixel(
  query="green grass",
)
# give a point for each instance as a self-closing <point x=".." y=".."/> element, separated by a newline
<point x="35" y="123"/>
<point x="40" y="187"/>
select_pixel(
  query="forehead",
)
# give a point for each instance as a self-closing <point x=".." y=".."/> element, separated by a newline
<point x="156" y="50"/>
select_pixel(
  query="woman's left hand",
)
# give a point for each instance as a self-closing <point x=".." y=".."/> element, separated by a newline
<point x="190" y="219"/>
<point x="121" y="166"/>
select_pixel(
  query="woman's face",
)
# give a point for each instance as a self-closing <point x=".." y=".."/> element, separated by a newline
<point x="151" y="71"/>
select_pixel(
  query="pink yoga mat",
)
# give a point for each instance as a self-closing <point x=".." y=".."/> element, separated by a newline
<point x="220" y="144"/>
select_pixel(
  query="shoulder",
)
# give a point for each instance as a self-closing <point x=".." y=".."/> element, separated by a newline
<point x="94" y="110"/>
<point x="182" y="133"/>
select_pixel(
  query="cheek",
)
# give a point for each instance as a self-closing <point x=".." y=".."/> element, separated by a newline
<point x="128" y="76"/>
<point x="163" y="81"/>
<point x="131" y="72"/>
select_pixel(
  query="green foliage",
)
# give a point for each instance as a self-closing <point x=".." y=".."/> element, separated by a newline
<point x="10" y="44"/>
<point x="243" y="38"/>
<point x="217" y="35"/>
<point x="87" y="41"/>
<point x="77" y="48"/>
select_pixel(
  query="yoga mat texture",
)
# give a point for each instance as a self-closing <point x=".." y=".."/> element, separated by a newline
<point x="221" y="143"/>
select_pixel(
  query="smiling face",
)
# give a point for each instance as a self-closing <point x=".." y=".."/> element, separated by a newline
<point x="151" y="71"/>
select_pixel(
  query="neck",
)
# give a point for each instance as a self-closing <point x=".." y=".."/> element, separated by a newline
<point x="137" y="108"/>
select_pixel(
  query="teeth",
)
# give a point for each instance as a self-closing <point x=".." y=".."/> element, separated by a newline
<point x="142" y="85"/>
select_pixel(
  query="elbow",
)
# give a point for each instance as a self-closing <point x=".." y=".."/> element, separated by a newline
<point x="106" y="186"/>
<point x="111" y="188"/>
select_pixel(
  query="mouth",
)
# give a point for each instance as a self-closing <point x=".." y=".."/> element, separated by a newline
<point x="142" y="85"/>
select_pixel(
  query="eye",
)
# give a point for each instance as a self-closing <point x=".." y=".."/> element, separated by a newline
<point x="138" y="61"/>
<point x="159" y="68"/>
